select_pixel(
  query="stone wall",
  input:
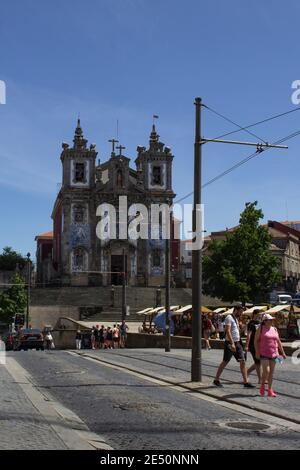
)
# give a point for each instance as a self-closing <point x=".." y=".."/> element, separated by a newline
<point x="41" y="315"/>
<point x="64" y="339"/>
<point x="140" y="340"/>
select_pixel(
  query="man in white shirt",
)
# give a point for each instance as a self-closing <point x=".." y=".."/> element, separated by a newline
<point x="233" y="347"/>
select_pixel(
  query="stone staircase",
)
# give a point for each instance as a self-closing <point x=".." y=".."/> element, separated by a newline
<point x="96" y="304"/>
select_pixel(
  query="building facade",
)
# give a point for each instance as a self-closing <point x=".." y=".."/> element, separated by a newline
<point x="88" y="248"/>
<point x="44" y="259"/>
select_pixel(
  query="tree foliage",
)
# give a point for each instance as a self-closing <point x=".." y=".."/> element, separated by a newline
<point x="241" y="267"/>
<point x="13" y="300"/>
<point x="9" y="259"/>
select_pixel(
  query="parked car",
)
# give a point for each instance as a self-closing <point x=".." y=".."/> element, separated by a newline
<point x="284" y="299"/>
<point x="280" y="298"/>
<point x="28" y="338"/>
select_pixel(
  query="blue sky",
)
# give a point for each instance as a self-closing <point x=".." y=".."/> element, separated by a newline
<point x="126" y="60"/>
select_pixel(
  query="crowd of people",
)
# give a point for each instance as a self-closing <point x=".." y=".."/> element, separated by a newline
<point x="101" y="337"/>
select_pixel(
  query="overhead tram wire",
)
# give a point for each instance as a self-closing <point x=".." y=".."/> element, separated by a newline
<point x="271" y="118"/>
<point x="276" y="116"/>
<point x="242" y="162"/>
<point x="240" y="128"/>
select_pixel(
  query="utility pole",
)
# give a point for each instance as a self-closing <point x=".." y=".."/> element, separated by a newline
<point x="167" y="277"/>
<point x="197" y="253"/>
<point x="28" y="288"/>
<point x="124" y="301"/>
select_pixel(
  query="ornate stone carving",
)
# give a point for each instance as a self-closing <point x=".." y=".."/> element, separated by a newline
<point x="79" y="260"/>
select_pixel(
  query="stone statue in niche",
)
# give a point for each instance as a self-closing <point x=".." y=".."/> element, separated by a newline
<point x="79" y="259"/>
<point x="119" y="179"/>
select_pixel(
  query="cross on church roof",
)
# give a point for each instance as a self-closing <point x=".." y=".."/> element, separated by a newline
<point x="113" y="142"/>
<point x="120" y="148"/>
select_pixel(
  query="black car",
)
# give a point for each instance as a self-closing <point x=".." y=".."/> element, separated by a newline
<point x="28" y="338"/>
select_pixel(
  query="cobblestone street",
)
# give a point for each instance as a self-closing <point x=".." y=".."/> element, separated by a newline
<point x="142" y="399"/>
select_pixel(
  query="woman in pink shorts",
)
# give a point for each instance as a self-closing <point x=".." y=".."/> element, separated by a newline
<point x="267" y="343"/>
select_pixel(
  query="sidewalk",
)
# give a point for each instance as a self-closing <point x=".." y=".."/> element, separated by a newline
<point x="32" y="420"/>
<point x="22" y="427"/>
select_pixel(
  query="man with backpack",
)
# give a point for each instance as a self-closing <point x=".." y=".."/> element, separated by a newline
<point x="233" y="347"/>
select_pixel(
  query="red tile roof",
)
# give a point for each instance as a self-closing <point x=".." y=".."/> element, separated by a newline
<point x="44" y="236"/>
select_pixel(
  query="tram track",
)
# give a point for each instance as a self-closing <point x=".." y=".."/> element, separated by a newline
<point x="228" y="381"/>
<point x="202" y="393"/>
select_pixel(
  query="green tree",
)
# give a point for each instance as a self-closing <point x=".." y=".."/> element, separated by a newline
<point x="9" y="259"/>
<point x="242" y="266"/>
<point x="13" y="300"/>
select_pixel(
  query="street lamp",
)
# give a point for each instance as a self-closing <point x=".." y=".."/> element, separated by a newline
<point x="124" y="300"/>
<point x="28" y="288"/>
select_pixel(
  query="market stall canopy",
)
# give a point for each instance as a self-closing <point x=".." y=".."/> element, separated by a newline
<point x="188" y="308"/>
<point x="146" y="310"/>
<point x="262" y="308"/>
<point x="278" y="308"/>
<point x="229" y="311"/>
<point x="154" y="310"/>
<point x="220" y="310"/>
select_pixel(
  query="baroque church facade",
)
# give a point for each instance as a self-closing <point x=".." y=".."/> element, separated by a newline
<point x="79" y="256"/>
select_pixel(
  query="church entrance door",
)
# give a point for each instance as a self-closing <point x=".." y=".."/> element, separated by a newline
<point x="117" y="269"/>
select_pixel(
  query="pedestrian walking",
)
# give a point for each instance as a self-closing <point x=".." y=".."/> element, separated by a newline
<point x="93" y="339"/>
<point x="78" y="339"/>
<point x="207" y="330"/>
<point x="123" y="334"/>
<point x="221" y="327"/>
<point x="267" y="346"/>
<point x="109" y="338"/>
<point x="116" y="337"/>
<point x="105" y="344"/>
<point x="97" y="337"/>
<point x="233" y="347"/>
<point x="252" y="326"/>
<point x="101" y="337"/>
<point x="49" y="340"/>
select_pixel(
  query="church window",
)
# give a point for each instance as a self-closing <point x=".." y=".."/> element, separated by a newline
<point x="157" y="175"/>
<point x="156" y="259"/>
<point x="79" y="173"/>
